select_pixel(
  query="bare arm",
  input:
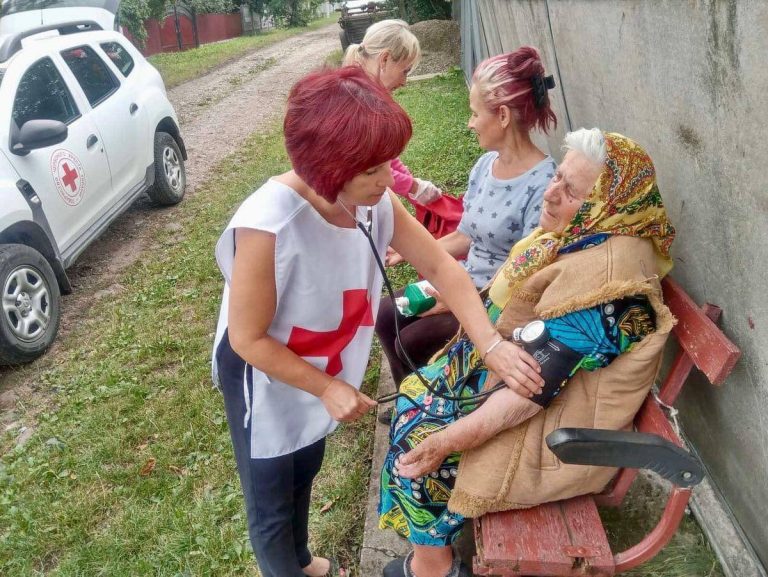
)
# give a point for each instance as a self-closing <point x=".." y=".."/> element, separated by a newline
<point x="455" y="244"/>
<point x="503" y="410"/>
<point x="510" y="362"/>
<point x="252" y="303"/>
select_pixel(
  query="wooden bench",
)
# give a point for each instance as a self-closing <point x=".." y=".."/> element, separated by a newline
<point x="567" y="538"/>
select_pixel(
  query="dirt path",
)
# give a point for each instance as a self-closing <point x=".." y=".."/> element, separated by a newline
<point x="217" y="113"/>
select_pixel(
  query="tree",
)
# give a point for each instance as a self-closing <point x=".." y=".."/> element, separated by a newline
<point x="134" y="12"/>
<point x="292" y="13"/>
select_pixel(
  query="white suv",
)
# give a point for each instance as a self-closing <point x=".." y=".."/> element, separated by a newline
<point x="85" y="128"/>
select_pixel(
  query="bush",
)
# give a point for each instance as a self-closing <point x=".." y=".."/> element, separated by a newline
<point x="418" y="10"/>
<point x="134" y="12"/>
<point x="291" y="13"/>
<point x="212" y="6"/>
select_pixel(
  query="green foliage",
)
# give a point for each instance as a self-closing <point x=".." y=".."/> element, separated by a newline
<point x="212" y="6"/>
<point x="292" y="13"/>
<point x="134" y="12"/>
<point x="418" y="10"/>
<point x="132" y="16"/>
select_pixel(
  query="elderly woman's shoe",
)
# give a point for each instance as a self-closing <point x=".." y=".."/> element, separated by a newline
<point x="401" y="567"/>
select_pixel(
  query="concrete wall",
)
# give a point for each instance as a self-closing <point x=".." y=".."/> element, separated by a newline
<point x="688" y="79"/>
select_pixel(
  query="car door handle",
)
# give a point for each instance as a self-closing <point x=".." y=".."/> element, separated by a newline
<point x="133" y="108"/>
<point x="92" y="141"/>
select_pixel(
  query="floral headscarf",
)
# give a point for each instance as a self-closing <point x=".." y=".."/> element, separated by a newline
<point x="624" y="201"/>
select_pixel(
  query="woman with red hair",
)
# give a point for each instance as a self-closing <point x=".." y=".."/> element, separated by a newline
<point x="301" y="293"/>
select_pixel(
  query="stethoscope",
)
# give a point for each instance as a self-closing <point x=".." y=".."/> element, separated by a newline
<point x="465" y="403"/>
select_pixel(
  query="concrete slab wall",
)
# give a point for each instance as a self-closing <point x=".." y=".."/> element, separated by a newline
<point x="688" y="80"/>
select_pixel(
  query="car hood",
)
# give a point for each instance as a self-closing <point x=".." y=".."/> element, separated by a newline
<point x="22" y="15"/>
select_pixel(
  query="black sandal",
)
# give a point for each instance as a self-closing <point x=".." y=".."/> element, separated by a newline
<point x="401" y="567"/>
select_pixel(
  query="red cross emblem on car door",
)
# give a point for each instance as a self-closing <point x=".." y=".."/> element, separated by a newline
<point x="68" y="176"/>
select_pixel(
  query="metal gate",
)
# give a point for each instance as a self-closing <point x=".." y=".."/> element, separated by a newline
<point x="178" y="30"/>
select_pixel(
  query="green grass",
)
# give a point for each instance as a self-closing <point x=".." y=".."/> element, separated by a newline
<point x="688" y="554"/>
<point x="335" y="58"/>
<point x="443" y="149"/>
<point x="179" y="67"/>
<point x="130" y="469"/>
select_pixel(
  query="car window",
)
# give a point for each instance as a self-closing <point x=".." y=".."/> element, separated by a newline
<point x="43" y="94"/>
<point x="91" y="72"/>
<point x="119" y="57"/>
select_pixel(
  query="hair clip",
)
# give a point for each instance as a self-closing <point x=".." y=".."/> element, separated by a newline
<point x="540" y="84"/>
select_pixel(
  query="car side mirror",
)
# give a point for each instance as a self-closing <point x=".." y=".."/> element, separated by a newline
<point x="35" y="134"/>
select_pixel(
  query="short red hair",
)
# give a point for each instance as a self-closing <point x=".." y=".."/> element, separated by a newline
<point x="340" y="123"/>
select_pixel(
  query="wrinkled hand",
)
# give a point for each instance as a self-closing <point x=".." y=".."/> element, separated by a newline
<point x="426" y="192"/>
<point x="516" y="367"/>
<point x="344" y="402"/>
<point x="393" y="257"/>
<point x="440" y="306"/>
<point x="424" y="458"/>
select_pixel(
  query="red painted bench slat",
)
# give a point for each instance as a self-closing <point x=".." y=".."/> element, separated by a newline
<point x="569" y="534"/>
<point x="707" y="346"/>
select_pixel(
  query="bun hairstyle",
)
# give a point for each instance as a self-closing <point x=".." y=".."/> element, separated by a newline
<point x="340" y="123"/>
<point x="391" y="35"/>
<point x="517" y="80"/>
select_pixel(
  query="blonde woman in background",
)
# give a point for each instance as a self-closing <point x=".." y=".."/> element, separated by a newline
<point x="388" y="52"/>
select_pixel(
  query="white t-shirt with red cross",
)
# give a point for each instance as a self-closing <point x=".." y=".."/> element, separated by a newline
<point x="328" y="288"/>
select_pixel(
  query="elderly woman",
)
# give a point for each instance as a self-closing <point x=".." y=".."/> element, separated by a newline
<point x="591" y="272"/>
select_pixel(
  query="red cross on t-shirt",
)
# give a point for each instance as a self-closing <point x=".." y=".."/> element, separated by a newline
<point x="70" y="177"/>
<point x="356" y="313"/>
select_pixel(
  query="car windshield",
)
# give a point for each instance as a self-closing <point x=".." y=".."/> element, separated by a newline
<point x="16" y="6"/>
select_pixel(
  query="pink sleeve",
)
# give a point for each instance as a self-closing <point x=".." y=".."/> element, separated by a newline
<point x="402" y="176"/>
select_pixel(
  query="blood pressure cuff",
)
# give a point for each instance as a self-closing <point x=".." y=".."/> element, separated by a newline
<point x="558" y="363"/>
<point x="590" y="339"/>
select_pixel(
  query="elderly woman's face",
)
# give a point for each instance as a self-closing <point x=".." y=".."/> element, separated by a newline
<point x="567" y="191"/>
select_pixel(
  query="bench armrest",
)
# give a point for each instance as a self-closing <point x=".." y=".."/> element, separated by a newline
<point x="605" y="448"/>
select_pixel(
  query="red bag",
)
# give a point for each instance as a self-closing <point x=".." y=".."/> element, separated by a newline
<point x="442" y="216"/>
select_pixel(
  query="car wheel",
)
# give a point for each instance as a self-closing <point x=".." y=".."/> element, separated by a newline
<point x="170" y="175"/>
<point x="31" y="304"/>
<point x="344" y="40"/>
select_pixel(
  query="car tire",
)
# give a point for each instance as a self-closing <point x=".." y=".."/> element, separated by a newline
<point x="170" y="174"/>
<point x="344" y="41"/>
<point x="30" y="308"/>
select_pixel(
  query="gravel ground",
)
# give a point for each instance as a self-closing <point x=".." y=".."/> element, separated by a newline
<point x="440" y="42"/>
<point x="217" y="113"/>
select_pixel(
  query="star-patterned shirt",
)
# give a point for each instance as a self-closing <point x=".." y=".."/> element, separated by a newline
<point x="498" y="213"/>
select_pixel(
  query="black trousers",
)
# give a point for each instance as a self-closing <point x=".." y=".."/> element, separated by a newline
<point x="277" y="490"/>
<point x="421" y="337"/>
